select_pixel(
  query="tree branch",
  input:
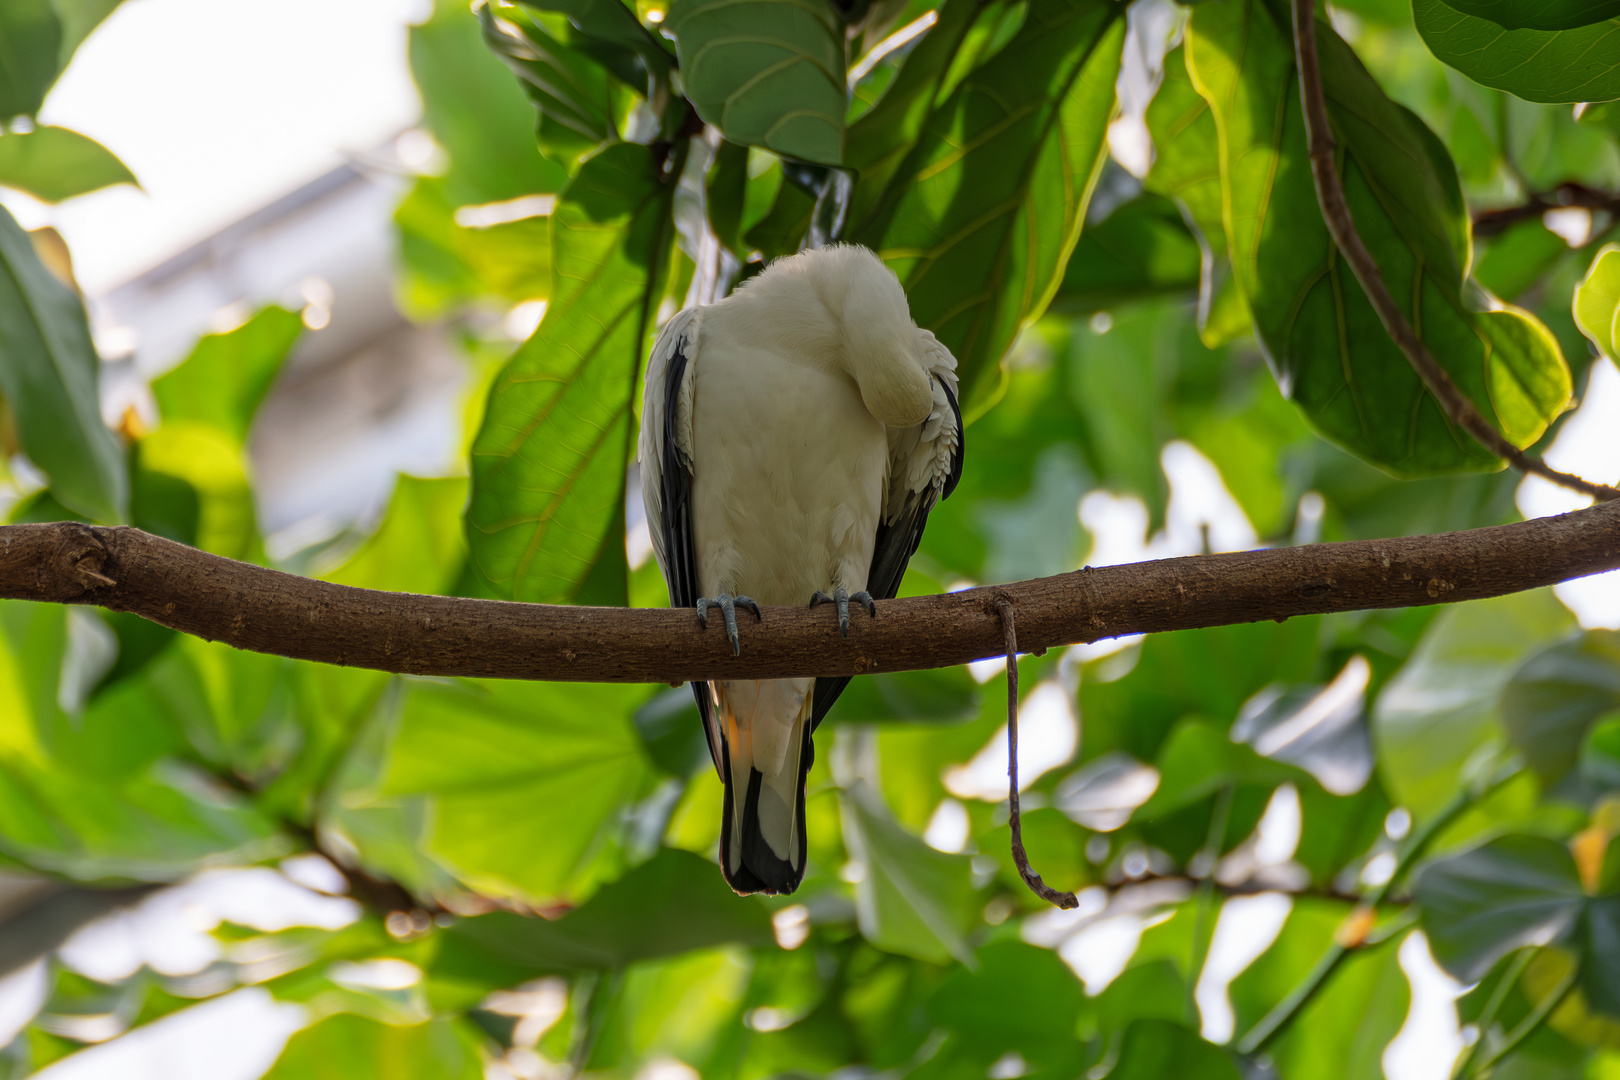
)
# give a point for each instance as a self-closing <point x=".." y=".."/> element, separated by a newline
<point x="1570" y="193"/>
<point x="267" y="611"/>
<point x="1336" y="212"/>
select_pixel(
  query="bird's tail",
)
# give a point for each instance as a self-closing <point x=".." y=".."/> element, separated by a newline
<point x="766" y="733"/>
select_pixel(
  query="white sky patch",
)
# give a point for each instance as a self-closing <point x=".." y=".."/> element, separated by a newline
<point x="1199" y="500"/>
<point x="235" y="1037"/>
<point x="1588" y="445"/>
<point x="1430" y="1040"/>
<point x="1100" y="952"/>
<point x="290" y="91"/>
<point x="169" y="931"/>
<point x="1048" y="736"/>
<point x="21" y="994"/>
<point x="1150" y="28"/>
<point x="1247" y="927"/>
<point x="948" y="827"/>
<point x="1276" y="838"/>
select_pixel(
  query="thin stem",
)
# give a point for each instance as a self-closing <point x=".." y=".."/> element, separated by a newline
<point x="1531" y="1023"/>
<point x="1336" y="213"/>
<point x="1492" y="1007"/>
<point x="1020" y="858"/>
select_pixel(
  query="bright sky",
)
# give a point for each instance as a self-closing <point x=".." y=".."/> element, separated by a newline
<point x="220" y="106"/>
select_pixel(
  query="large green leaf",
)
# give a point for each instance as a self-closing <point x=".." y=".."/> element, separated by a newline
<point x="1482" y="904"/>
<point x="980" y="219"/>
<point x="766" y="72"/>
<point x="419" y="547"/>
<point x="48" y="374"/>
<point x="1597" y="302"/>
<point x="1440" y="710"/>
<point x="346" y="1046"/>
<point x="1324" y="342"/>
<point x="528" y="782"/>
<point x="1153" y="1049"/>
<point x="911" y="899"/>
<point x="1554" y="698"/>
<point x="1343" y="1033"/>
<point x="1142" y="249"/>
<point x="1539" y="14"/>
<point x="1600" y="974"/>
<point x="227" y="375"/>
<point x="549" y="462"/>
<point x="1021" y="999"/>
<point x="53" y="163"/>
<point x="30" y="40"/>
<point x="1582" y="64"/>
<point x="570" y="90"/>
<point x="79" y="18"/>
<point x="675" y="903"/>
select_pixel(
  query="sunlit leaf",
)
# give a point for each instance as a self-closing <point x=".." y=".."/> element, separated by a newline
<point x="346" y="1046"/>
<point x="419" y="547"/>
<point x="227" y="375"/>
<point x="1539" y="14"/>
<point x="1556" y="695"/>
<point x="766" y="72"/>
<point x="570" y="90"/>
<point x="48" y="375"/>
<point x="675" y="903"/>
<point x="1326" y="346"/>
<point x="911" y="899"/>
<point x="1482" y="904"/>
<point x="1597" y="302"/>
<point x="1581" y="64"/>
<point x="53" y="163"/>
<point x="549" y="462"/>
<point x="1441" y="708"/>
<point x="980" y="220"/>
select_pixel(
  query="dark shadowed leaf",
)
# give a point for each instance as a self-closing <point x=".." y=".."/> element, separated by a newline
<point x="675" y="903"/>
<point x="912" y="899"/>
<point x="766" y="72"/>
<point x="1553" y="699"/>
<point x="1600" y="756"/>
<point x="1154" y="1049"/>
<point x="226" y="376"/>
<point x="1021" y="998"/>
<point x="1539" y="14"/>
<point x="1142" y="249"/>
<point x="549" y="462"/>
<point x="48" y="375"/>
<point x="53" y="163"/>
<point x="937" y="696"/>
<point x="1484" y="903"/>
<point x="1330" y="354"/>
<point x="347" y="1046"/>
<point x="980" y="219"/>
<point x="570" y="90"/>
<point x="1600" y="972"/>
<point x="1582" y="64"/>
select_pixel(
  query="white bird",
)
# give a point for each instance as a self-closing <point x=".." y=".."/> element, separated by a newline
<point x="794" y="437"/>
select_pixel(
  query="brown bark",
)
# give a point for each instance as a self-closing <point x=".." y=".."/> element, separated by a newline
<point x="267" y="611"/>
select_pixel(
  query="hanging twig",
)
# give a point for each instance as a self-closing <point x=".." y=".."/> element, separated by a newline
<point x="1336" y="213"/>
<point x="1031" y="878"/>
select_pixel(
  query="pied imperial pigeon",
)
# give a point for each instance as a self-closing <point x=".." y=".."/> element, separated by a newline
<point x="794" y="437"/>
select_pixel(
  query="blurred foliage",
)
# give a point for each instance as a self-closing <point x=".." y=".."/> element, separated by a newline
<point x="1153" y="365"/>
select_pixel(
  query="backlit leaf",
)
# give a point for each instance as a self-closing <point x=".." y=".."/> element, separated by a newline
<point x="1330" y="354"/>
<point x="54" y="163"/>
<point x="549" y="462"/>
<point x="227" y="375"/>
<point x="1581" y="64"/>
<point x="347" y="1046"/>
<point x="1597" y="302"/>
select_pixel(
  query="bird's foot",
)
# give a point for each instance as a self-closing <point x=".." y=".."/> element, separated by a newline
<point x="841" y="598"/>
<point x="728" y="606"/>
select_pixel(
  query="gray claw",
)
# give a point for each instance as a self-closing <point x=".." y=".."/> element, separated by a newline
<point x="841" y="598"/>
<point x="728" y="605"/>
<point x="865" y="598"/>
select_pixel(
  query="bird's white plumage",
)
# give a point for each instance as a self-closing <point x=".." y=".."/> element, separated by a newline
<point x="810" y="409"/>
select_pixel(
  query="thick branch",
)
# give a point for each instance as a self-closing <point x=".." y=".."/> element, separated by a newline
<point x="267" y="611"/>
<point x="1336" y="212"/>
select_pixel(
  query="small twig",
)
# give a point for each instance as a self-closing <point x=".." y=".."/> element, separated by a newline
<point x="1495" y="222"/>
<point x="1031" y="878"/>
<point x="1531" y="1023"/>
<point x="1336" y="213"/>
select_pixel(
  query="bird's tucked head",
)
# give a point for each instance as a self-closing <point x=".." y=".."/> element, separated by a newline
<point x="874" y="341"/>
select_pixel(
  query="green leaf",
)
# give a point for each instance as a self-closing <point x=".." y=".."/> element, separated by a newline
<point x="476" y="112"/>
<point x="1597" y="302"/>
<point x="420" y="546"/>
<point x="1153" y="1049"/>
<point x="1486" y="902"/>
<point x="781" y="230"/>
<point x="613" y="35"/>
<point x="1600" y="754"/>
<point x="48" y="375"/>
<point x="1539" y="14"/>
<point x="346" y="1046"/>
<point x="1600" y="973"/>
<point x="1142" y="249"/>
<point x="79" y="18"/>
<point x="1440" y="710"/>
<point x="1020" y="998"/>
<point x="1186" y="150"/>
<point x="726" y="192"/>
<point x="1321" y="729"/>
<point x="675" y="903"/>
<point x="227" y="375"/>
<point x="549" y="461"/>
<point x="53" y="163"/>
<point x="570" y="90"/>
<point x="766" y="72"/>
<point x="912" y="900"/>
<point x="1326" y="346"/>
<point x="30" y="41"/>
<point x="1514" y="261"/>
<point x="938" y="696"/>
<point x="1553" y="699"/>
<point x="1582" y="64"/>
<point x="528" y="781"/>
<point x="979" y="221"/>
